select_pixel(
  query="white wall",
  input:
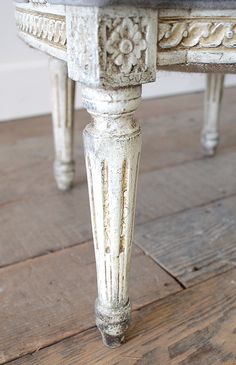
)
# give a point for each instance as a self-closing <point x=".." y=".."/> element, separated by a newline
<point x="24" y="79"/>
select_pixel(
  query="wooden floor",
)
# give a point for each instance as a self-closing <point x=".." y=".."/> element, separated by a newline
<point x="183" y="279"/>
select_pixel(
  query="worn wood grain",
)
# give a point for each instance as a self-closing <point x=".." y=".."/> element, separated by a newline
<point x="194" y="245"/>
<point x="193" y="327"/>
<point x="171" y="135"/>
<point x="40" y="126"/>
<point x="36" y="224"/>
<point x="171" y="132"/>
<point x="41" y="298"/>
<point x="170" y="190"/>
<point x="171" y="129"/>
<point x="35" y="218"/>
<point x="112" y="143"/>
<point x="49" y="298"/>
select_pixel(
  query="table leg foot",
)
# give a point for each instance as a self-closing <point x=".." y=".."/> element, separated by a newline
<point x="113" y="323"/>
<point x="64" y="173"/>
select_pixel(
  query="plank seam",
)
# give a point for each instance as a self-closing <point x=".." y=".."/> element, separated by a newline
<point x="136" y="310"/>
<point x="176" y="279"/>
<point x="51" y="251"/>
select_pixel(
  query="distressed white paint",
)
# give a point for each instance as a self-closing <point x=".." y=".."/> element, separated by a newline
<point x="41" y="29"/>
<point x="196" y="13"/>
<point x="63" y="89"/>
<point x="213" y="97"/>
<point x="26" y="68"/>
<point x="42" y="8"/>
<point x="109" y="49"/>
<point x="112" y="151"/>
<point x="113" y="51"/>
<point x="196" y="37"/>
<point x="97" y="53"/>
<point x="111" y="46"/>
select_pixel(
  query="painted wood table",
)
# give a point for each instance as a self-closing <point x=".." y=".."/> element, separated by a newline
<point x="111" y="48"/>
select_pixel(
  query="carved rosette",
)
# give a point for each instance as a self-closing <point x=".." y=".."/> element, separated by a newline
<point x="112" y="46"/>
<point x="126" y="45"/>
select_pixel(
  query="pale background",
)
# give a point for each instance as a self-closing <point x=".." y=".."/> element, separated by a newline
<point x="24" y="79"/>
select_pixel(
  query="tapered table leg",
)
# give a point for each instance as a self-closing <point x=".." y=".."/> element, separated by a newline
<point x="63" y="91"/>
<point x="112" y="150"/>
<point x="213" y="97"/>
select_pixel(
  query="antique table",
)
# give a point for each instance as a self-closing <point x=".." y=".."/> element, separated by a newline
<point x="111" y="48"/>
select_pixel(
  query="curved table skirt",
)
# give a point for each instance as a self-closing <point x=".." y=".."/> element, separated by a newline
<point x="186" y="41"/>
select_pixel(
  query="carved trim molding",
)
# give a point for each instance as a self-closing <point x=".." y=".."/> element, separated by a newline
<point x="196" y="33"/>
<point x="47" y="28"/>
<point x="38" y="1"/>
<point x="115" y="47"/>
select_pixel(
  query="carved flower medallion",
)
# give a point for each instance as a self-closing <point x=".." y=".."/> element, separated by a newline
<point x="126" y="44"/>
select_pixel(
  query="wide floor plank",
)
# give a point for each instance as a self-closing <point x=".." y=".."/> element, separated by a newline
<point x="171" y="135"/>
<point x="194" y="327"/>
<point x="47" y="302"/>
<point x="36" y="218"/>
<point x="194" y="245"/>
<point x="52" y="297"/>
<point x="173" y="189"/>
<point x="34" y="225"/>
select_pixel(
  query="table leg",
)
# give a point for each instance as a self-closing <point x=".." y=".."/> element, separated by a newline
<point x="63" y="91"/>
<point x="213" y="96"/>
<point x="112" y="151"/>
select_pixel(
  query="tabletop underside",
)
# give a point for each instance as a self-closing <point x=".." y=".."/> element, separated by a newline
<point x="184" y="4"/>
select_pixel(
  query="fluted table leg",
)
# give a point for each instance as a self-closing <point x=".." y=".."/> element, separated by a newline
<point x="63" y="91"/>
<point x="112" y="150"/>
<point x="213" y="96"/>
